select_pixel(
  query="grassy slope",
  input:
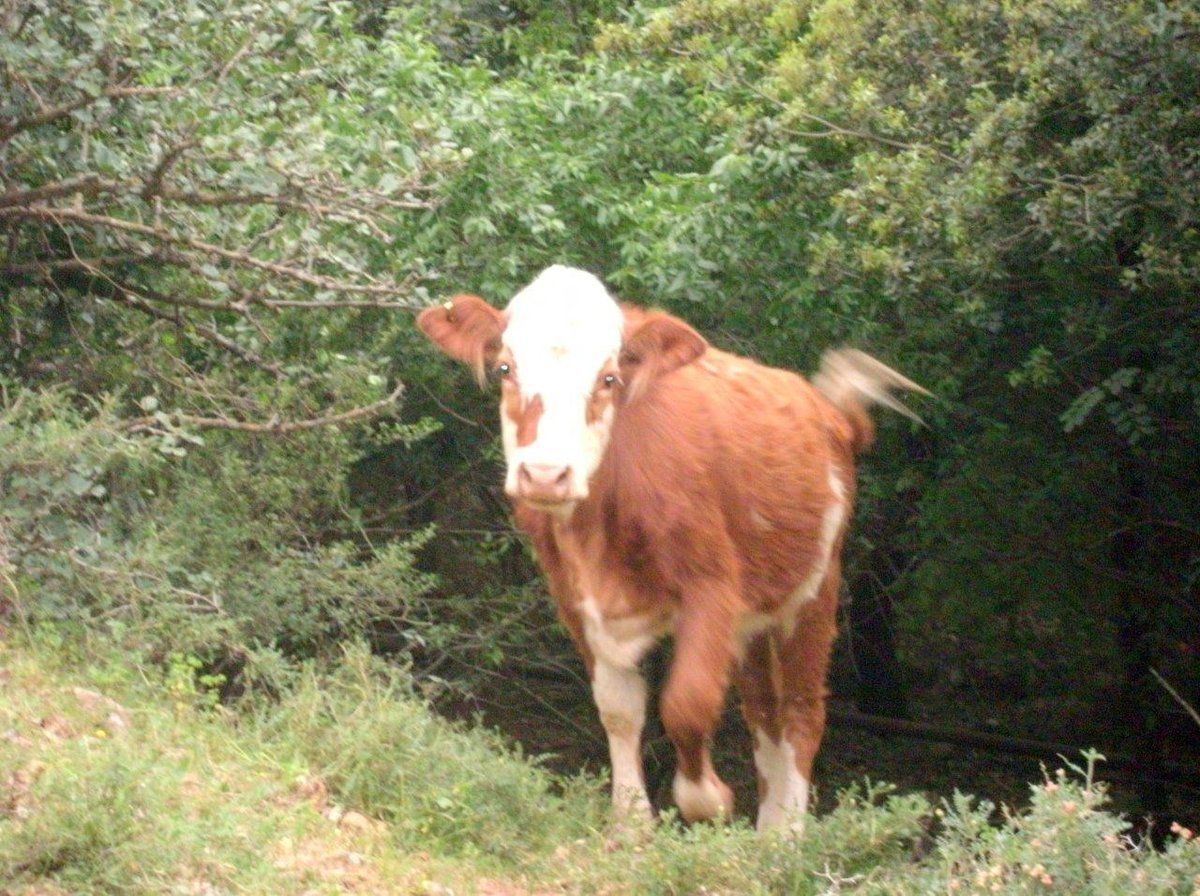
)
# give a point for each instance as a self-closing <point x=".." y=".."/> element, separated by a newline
<point x="119" y="779"/>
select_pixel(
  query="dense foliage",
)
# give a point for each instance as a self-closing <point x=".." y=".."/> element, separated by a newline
<point x="217" y="427"/>
<point x="1004" y="195"/>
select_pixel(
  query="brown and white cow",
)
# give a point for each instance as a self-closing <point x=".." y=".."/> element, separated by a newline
<point x="673" y="489"/>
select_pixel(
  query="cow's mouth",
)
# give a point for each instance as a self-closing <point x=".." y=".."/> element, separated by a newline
<point x="559" y="507"/>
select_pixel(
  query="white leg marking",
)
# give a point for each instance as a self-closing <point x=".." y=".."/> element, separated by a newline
<point x="620" y="695"/>
<point x="785" y="800"/>
<point x="698" y="799"/>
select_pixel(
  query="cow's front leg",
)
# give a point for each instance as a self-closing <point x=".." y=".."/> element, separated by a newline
<point x="691" y="707"/>
<point x="619" y="692"/>
<point x="620" y="695"/>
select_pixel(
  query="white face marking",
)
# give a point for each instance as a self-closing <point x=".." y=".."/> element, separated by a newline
<point x="563" y="328"/>
<point x="785" y="799"/>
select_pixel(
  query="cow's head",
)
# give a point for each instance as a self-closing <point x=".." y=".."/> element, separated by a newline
<point x="567" y="357"/>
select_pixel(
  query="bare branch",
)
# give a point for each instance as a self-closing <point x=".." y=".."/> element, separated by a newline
<point x="154" y="182"/>
<point x="96" y="266"/>
<point x="222" y="73"/>
<point x="65" y="213"/>
<point x="89" y="185"/>
<point x="129" y="295"/>
<point x="341" y="212"/>
<point x="210" y="603"/>
<point x="142" y="424"/>
<point x="137" y="297"/>
<point x="446" y="410"/>
<point x="835" y="130"/>
<point x="30" y="12"/>
<point x="91" y="264"/>
<point x="1188" y="708"/>
<point x="12" y="127"/>
<point x="336" y="303"/>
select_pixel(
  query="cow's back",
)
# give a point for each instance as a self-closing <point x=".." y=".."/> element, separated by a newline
<point x="723" y="467"/>
<point x="782" y="463"/>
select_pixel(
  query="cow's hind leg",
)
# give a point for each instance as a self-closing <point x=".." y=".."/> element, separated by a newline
<point x="804" y="650"/>
<point x="759" y="685"/>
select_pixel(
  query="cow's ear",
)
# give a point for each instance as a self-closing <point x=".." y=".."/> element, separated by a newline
<point x="655" y="344"/>
<point x="467" y="329"/>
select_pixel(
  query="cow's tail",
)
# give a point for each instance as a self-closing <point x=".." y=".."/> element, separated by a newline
<point x="854" y="381"/>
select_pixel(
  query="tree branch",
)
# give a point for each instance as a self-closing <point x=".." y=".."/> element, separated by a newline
<point x="91" y="265"/>
<point x="129" y="295"/>
<point x="58" y="214"/>
<point x="14" y="126"/>
<point x="141" y="424"/>
<point x="153" y="185"/>
<point x="835" y="130"/>
<point x="1188" y="708"/>
<point x="89" y="185"/>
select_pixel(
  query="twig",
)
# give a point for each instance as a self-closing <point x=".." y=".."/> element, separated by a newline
<point x="11" y="128"/>
<point x="88" y="185"/>
<point x="337" y="303"/>
<point x="210" y="603"/>
<point x="233" y="60"/>
<point x="836" y="130"/>
<point x="832" y="129"/>
<point x="446" y="410"/>
<point x="138" y="424"/>
<point x="154" y="182"/>
<point x="131" y="297"/>
<point x="1188" y="708"/>
<point x="91" y="265"/>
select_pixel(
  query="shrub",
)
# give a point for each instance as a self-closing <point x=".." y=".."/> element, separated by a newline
<point x="201" y="551"/>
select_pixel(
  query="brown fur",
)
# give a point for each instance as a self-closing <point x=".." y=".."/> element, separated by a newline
<point x="705" y="513"/>
<point x="526" y="417"/>
<point x="466" y="328"/>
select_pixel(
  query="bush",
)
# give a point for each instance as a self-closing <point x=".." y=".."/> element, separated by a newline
<point x="200" y="551"/>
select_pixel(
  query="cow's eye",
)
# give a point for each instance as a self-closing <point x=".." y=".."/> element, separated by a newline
<point x="504" y="369"/>
<point x="610" y="380"/>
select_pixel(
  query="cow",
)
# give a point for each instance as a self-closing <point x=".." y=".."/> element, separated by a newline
<point x="670" y="488"/>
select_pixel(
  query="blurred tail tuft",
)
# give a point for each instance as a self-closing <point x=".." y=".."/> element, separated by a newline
<point x="854" y="381"/>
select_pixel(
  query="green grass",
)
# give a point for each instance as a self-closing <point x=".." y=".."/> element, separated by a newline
<point x="116" y="778"/>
